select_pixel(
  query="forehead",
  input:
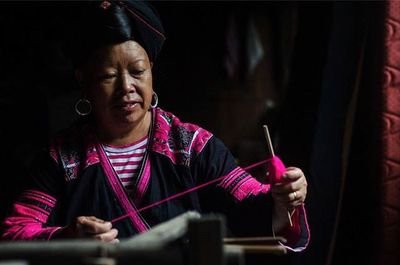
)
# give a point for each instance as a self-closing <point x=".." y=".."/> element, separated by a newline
<point x="121" y="53"/>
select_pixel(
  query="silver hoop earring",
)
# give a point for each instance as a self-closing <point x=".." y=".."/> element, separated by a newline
<point x="83" y="107"/>
<point x="155" y="98"/>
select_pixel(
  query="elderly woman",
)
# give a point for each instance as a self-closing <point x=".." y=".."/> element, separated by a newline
<point x="126" y="153"/>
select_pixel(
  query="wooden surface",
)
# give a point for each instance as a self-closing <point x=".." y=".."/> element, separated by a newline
<point x="259" y="245"/>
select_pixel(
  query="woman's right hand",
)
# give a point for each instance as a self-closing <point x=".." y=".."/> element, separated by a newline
<point x="89" y="227"/>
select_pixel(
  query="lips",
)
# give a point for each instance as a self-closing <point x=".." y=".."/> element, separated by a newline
<point x="127" y="106"/>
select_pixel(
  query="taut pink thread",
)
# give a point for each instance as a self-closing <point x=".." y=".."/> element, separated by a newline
<point x="185" y="192"/>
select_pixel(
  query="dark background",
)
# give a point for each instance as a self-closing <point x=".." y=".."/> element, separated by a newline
<point x="302" y="88"/>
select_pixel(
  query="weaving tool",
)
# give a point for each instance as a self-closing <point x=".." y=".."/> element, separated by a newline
<point x="276" y="168"/>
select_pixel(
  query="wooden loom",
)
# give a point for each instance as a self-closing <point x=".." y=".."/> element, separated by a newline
<point x="187" y="239"/>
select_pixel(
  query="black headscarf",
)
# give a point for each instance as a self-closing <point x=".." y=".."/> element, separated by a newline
<point x="106" y="22"/>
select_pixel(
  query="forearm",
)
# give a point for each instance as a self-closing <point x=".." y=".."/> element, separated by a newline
<point x="22" y="226"/>
<point x="28" y="218"/>
<point x="281" y="218"/>
<point x="29" y="230"/>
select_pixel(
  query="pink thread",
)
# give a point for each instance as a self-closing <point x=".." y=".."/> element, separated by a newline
<point x="276" y="168"/>
<point x="185" y="192"/>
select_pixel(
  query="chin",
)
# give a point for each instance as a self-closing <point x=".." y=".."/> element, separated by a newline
<point x="132" y="119"/>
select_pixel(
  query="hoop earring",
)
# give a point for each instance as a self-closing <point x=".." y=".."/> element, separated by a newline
<point x="155" y="98"/>
<point x="83" y="107"/>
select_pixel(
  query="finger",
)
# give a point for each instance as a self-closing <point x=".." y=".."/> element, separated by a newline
<point x="95" y="219"/>
<point x="98" y="228"/>
<point x="108" y="236"/>
<point x="296" y="196"/>
<point x="294" y="204"/>
<point x="92" y="225"/>
<point x="289" y="187"/>
<point x="299" y="200"/>
<point x="292" y="174"/>
<point x="84" y="219"/>
<point x="286" y="204"/>
<point x="114" y="241"/>
<point x="291" y="197"/>
<point x="300" y="183"/>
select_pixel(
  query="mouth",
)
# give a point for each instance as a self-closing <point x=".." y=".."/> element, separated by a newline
<point x="127" y="106"/>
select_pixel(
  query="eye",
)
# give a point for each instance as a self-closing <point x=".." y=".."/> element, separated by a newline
<point x="109" y="76"/>
<point x="137" y="72"/>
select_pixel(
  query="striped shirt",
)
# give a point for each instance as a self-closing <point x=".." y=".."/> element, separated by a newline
<point x="126" y="161"/>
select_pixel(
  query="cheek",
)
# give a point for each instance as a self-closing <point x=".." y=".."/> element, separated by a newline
<point x="149" y="98"/>
<point x="99" y="96"/>
<point x="148" y="91"/>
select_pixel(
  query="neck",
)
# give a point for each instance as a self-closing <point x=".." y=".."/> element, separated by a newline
<point x="125" y="134"/>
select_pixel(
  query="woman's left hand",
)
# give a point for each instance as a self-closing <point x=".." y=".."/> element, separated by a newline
<point x="291" y="192"/>
<point x="288" y="195"/>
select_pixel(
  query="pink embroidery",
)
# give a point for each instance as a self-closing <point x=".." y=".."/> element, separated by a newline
<point x="90" y="147"/>
<point x="40" y="197"/>
<point x="143" y="183"/>
<point x="65" y="149"/>
<point x="20" y="228"/>
<point x="202" y="138"/>
<point x="250" y="186"/>
<point x="30" y="211"/>
<point x="177" y="140"/>
<point x="231" y="177"/>
<point x="241" y="184"/>
<point x="27" y="220"/>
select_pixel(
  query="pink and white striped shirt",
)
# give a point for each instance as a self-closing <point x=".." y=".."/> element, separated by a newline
<point x="126" y="161"/>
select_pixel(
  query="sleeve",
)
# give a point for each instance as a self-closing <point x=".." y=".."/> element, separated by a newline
<point x="246" y="202"/>
<point x="31" y="210"/>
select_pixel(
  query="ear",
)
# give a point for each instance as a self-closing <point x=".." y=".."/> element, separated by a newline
<point x="151" y="65"/>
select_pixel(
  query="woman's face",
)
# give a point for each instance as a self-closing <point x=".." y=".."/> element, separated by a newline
<point x="118" y="82"/>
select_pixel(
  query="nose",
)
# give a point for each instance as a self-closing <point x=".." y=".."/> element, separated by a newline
<point x="127" y="83"/>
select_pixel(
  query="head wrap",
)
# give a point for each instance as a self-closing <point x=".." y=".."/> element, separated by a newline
<point x="109" y="22"/>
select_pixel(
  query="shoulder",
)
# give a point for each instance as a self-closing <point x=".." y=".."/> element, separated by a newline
<point x="66" y="140"/>
<point x="72" y="146"/>
<point x="176" y="139"/>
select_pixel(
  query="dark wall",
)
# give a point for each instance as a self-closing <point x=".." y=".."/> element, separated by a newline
<point x="39" y="91"/>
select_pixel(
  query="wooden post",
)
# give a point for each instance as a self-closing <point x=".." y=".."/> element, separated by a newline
<point x="206" y="241"/>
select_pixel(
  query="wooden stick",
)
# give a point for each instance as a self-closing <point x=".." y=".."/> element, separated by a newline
<point x="271" y="151"/>
<point x="269" y="142"/>
<point x="254" y="240"/>
<point x="289" y="218"/>
<point x="258" y="249"/>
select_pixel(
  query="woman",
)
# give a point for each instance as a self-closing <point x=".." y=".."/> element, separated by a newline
<point x="127" y="153"/>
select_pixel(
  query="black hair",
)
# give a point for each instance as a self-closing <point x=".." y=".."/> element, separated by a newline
<point x="108" y="22"/>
